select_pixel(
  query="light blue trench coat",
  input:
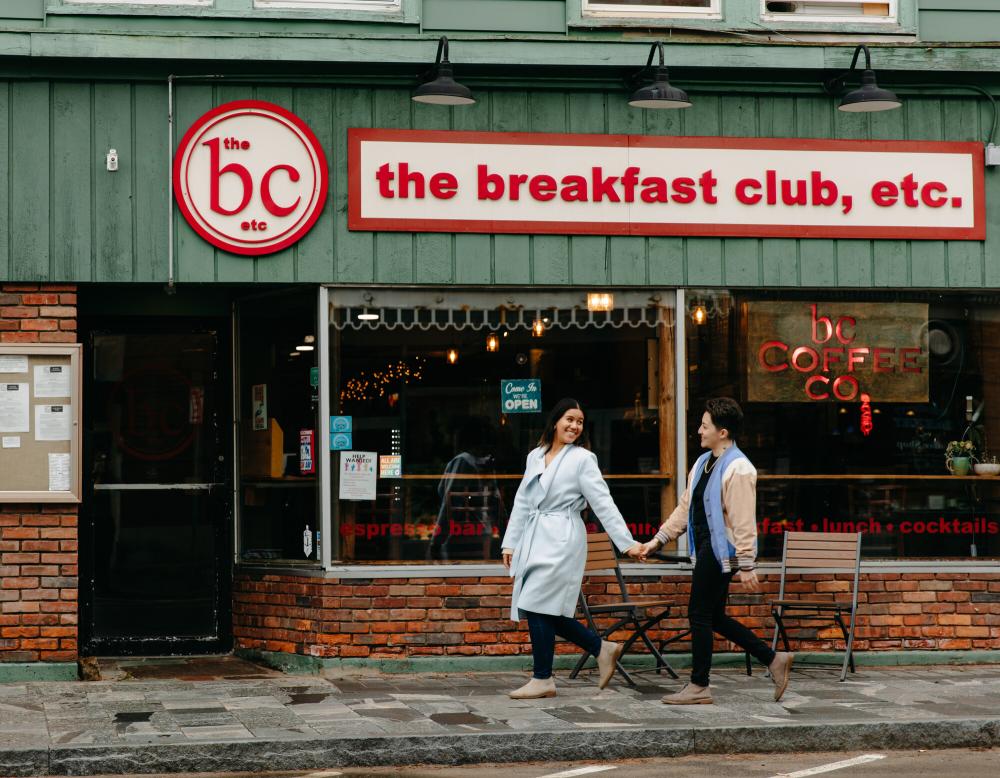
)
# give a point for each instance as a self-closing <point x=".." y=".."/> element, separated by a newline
<point x="547" y="534"/>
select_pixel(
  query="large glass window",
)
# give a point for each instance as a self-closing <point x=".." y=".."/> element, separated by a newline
<point x="647" y="8"/>
<point x="438" y="397"/>
<point x="277" y="429"/>
<point x="803" y="364"/>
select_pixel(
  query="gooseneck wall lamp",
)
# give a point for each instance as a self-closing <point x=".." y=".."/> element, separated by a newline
<point x="869" y="96"/>
<point x="440" y="86"/>
<point x="659" y="94"/>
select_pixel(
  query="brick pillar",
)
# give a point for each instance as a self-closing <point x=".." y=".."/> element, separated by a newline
<point x="38" y="543"/>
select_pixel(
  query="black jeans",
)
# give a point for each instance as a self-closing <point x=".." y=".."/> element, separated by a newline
<point x="544" y="628"/>
<point x="707" y="614"/>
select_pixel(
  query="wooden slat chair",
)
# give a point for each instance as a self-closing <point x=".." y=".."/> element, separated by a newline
<point x="836" y="551"/>
<point x="639" y="616"/>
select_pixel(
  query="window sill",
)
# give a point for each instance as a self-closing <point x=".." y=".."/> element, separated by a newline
<point x="630" y="569"/>
<point x="269" y="14"/>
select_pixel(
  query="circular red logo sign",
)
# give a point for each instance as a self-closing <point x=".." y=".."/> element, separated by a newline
<point x="250" y="177"/>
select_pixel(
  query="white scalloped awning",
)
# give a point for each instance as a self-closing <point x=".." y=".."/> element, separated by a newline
<point x="409" y="309"/>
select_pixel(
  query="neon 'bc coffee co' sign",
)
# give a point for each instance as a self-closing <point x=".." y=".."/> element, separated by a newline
<point x="250" y="177"/>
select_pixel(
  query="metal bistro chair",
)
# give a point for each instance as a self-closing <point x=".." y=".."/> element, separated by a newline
<point x="636" y="615"/>
<point x="826" y="550"/>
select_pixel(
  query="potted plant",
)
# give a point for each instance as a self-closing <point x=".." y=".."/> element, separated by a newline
<point x="958" y="456"/>
<point x="987" y="464"/>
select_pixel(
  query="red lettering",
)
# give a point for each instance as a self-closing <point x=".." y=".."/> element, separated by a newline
<point x="831" y="355"/>
<point x="824" y="192"/>
<point x="841" y="335"/>
<point x="384" y="177"/>
<point x="603" y="186"/>
<point x="814" y="380"/>
<point x="908" y="359"/>
<point x="849" y="381"/>
<point x="879" y="357"/>
<point x="630" y="178"/>
<point x="215" y="173"/>
<point x="516" y="179"/>
<point x="406" y="177"/>
<point x="884" y="193"/>
<point x="542" y="188"/>
<point x="444" y="186"/>
<point x="816" y="321"/>
<point x="927" y="194"/>
<point x="909" y="187"/>
<point x="654" y="190"/>
<point x="856" y="356"/>
<point x="574" y="189"/>
<point x="741" y="191"/>
<point x="490" y="185"/>
<point x="809" y="352"/>
<point x="684" y="190"/>
<point x="707" y="183"/>
<point x="265" y="191"/>
<point x="762" y="356"/>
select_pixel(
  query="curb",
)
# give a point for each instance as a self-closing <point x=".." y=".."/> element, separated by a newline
<point x="320" y="753"/>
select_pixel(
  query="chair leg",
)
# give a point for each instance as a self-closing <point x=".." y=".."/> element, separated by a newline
<point x="746" y="656"/>
<point x="849" y="658"/>
<point x="579" y="665"/>
<point x="779" y="620"/>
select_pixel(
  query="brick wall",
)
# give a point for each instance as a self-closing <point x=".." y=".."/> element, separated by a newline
<point x="390" y="617"/>
<point x="38" y="544"/>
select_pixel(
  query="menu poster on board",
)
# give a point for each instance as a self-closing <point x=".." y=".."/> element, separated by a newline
<point x="53" y="422"/>
<point x="14" y="415"/>
<point x="357" y="475"/>
<point x="13" y="363"/>
<point x="259" y="399"/>
<point x="52" y="381"/>
<point x="59" y="472"/>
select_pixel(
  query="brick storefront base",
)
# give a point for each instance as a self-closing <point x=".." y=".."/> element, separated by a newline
<point x="38" y="544"/>
<point x="391" y="617"/>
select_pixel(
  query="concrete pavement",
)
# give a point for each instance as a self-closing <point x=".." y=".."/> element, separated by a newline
<point x="258" y="719"/>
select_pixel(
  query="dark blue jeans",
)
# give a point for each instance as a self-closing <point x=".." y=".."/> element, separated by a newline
<point x="544" y="628"/>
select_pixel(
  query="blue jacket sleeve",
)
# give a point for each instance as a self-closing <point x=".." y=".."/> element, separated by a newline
<point x="595" y="490"/>
<point x="518" y="513"/>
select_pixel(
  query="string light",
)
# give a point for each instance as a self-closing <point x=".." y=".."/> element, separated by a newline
<point x="452" y="356"/>
<point x="600" y="301"/>
<point x="538" y="328"/>
<point x="699" y="314"/>
<point x="492" y="343"/>
<point x="376" y="383"/>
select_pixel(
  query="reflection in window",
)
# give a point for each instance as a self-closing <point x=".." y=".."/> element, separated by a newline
<point x="818" y="469"/>
<point x="425" y="383"/>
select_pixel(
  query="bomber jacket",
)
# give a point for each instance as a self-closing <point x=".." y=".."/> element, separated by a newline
<point x="739" y="509"/>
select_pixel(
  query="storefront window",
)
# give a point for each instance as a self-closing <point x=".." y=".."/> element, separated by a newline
<point x="438" y="398"/>
<point x="277" y="429"/>
<point x="851" y="400"/>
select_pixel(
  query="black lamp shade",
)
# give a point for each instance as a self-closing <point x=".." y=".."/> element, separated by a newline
<point x="659" y="94"/>
<point x="443" y="89"/>
<point x="869" y="97"/>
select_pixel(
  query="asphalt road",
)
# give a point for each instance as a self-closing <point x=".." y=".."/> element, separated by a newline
<point x="968" y="763"/>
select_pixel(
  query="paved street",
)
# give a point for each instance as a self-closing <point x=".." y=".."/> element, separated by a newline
<point x="307" y="722"/>
<point x="971" y="763"/>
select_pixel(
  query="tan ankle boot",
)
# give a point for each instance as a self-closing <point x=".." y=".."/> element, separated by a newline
<point x="606" y="662"/>
<point x="535" y="689"/>
<point x="689" y="695"/>
<point x="781" y="669"/>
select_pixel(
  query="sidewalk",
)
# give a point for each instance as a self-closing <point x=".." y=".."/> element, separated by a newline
<point x="254" y="719"/>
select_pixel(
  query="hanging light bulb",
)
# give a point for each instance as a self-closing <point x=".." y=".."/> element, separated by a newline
<point x="492" y="343"/>
<point x="538" y="328"/>
<point x="699" y="314"/>
<point x="452" y="356"/>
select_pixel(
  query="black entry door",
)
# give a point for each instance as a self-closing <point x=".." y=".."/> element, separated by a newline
<point x="158" y="507"/>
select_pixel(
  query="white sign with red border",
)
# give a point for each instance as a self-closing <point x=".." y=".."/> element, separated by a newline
<point x="250" y="177"/>
<point x="442" y="181"/>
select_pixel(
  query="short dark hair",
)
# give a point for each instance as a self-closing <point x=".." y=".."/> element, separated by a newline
<point x="726" y="415"/>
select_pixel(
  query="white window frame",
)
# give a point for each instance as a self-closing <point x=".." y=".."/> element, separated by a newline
<point x="202" y="3"/>
<point x="892" y="18"/>
<point x="597" y="9"/>
<point x="374" y="6"/>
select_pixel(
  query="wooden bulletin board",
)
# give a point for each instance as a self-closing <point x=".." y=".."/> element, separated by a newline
<point x="40" y="423"/>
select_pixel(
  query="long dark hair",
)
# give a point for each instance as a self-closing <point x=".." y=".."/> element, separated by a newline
<point x="557" y="412"/>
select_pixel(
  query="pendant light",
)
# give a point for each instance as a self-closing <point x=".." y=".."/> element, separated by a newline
<point x="441" y="88"/>
<point x="659" y="94"/>
<point x="867" y="98"/>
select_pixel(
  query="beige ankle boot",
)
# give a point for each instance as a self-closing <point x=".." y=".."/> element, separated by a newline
<point x="606" y="662"/>
<point x="689" y="695"/>
<point x="781" y="669"/>
<point x="535" y="689"/>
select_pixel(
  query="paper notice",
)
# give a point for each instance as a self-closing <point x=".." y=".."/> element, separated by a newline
<point x="59" y="472"/>
<point x="53" y="422"/>
<point x="14" y="416"/>
<point x="52" y="381"/>
<point x="11" y="363"/>
<point x="357" y="475"/>
<point x="11" y="441"/>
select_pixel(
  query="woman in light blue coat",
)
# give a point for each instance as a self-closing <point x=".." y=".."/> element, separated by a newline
<point x="545" y="546"/>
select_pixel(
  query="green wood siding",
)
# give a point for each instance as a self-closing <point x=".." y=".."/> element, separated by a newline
<point x="63" y="217"/>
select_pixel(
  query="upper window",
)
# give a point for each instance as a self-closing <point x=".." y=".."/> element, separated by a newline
<point x="139" y="2"/>
<point x="647" y="8"/>
<point x="339" y="5"/>
<point x="830" y="10"/>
